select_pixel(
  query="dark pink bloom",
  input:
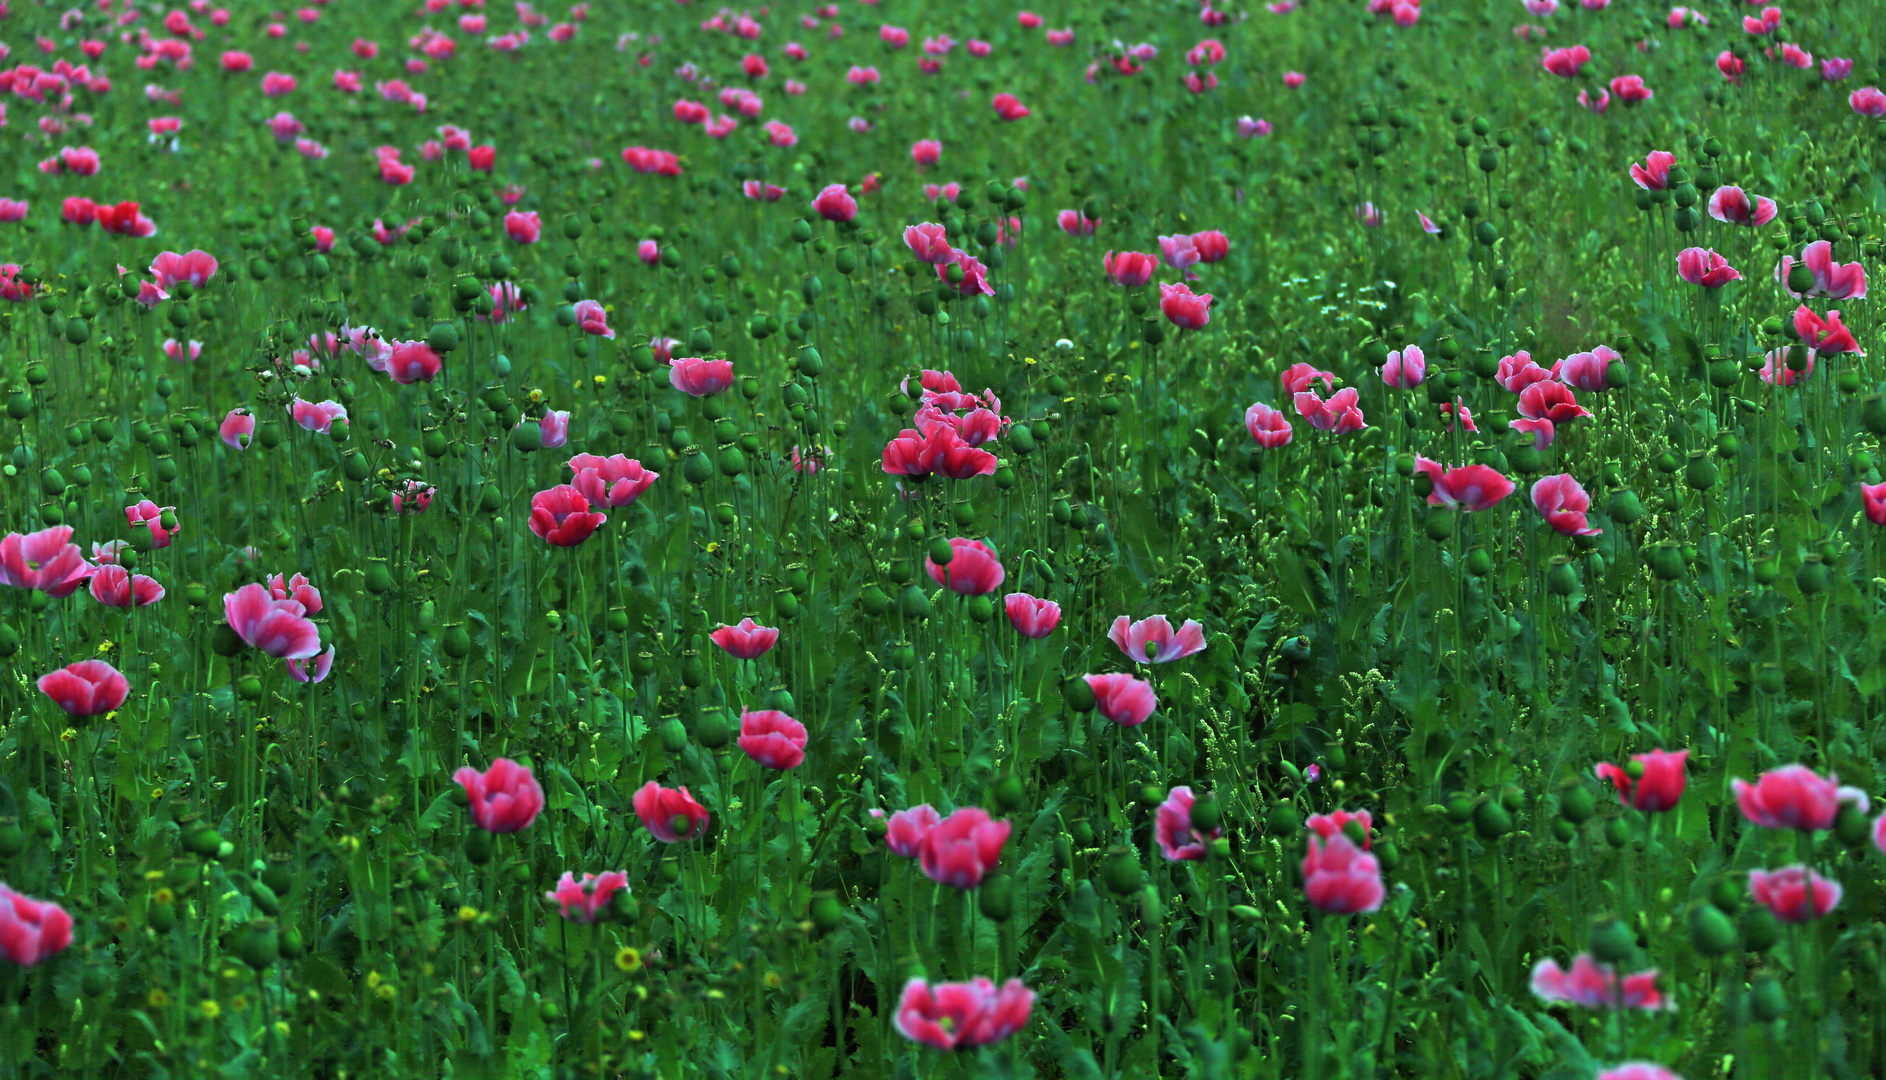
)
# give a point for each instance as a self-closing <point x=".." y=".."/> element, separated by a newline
<point x="973" y="569"/>
<point x="772" y="738"/>
<point x="1187" y="311"/>
<point x="1336" y="823"/>
<point x="592" y="319"/>
<point x="1638" y="1070"/>
<point x="1406" y="368"/>
<point x="1775" y="370"/>
<point x="1293" y="79"/>
<point x="1009" y="107"/>
<point x="1795" y="894"/>
<point x="952" y="1016"/>
<point x="1834" y="69"/>
<point x="1733" y="205"/>
<point x="1837" y="281"/>
<point x="963" y="848"/>
<point x="1702" y="266"/>
<point x="1300" y="377"/>
<point x="297" y="589"/>
<point x="87" y="688"/>
<point x="1586" y="370"/>
<point x="1123" y="699"/>
<point x="700" y="378"/>
<point x="278" y="627"/>
<point x="150" y="515"/>
<point x="1874" y="496"/>
<point x="1033" y="617"/>
<point x="505" y="798"/>
<point x="762" y="191"/>
<point x="1471" y="487"/>
<point x="588" y="901"/>
<point x="1566" y="62"/>
<point x="1654" y="173"/>
<point x="1516" y="372"/>
<point x="1341" y="878"/>
<point x="1153" y="641"/>
<point x="196" y="267"/>
<point x="1794" y="797"/>
<point x="1129" y="268"/>
<point x="561" y="516"/>
<point x="523" y="227"/>
<point x="1564" y="504"/>
<point x="1268" y="426"/>
<point x="1592" y="985"/>
<point x="114" y="586"/>
<point x="1210" y="246"/>
<point x="670" y="814"/>
<point x="975" y="279"/>
<point x="613" y="481"/>
<point x="1769" y="19"/>
<point x="747" y="640"/>
<point x="1339" y="414"/>
<point x="1178" y="251"/>
<point x="317" y="417"/>
<point x="905" y="830"/>
<point x="554" y="428"/>
<point x="410" y="362"/>
<point x="1253" y="128"/>
<point x="312" y="671"/>
<point x="1552" y="401"/>
<point x="1731" y="66"/>
<point x="1075" y="223"/>
<point x="1658" y="788"/>
<point x="1824" y="335"/>
<point x="835" y="204"/>
<point x="929" y="243"/>
<point x="1172" y="828"/>
<point x="926" y="152"/>
<point x="33" y="931"/>
<point x="1630" y="89"/>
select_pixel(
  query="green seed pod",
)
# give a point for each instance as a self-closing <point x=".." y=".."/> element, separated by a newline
<point x="490" y="498"/>
<point x="1766" y="1002"/>
<point x="1666" y="561"/>
<point x="981" y="609"/>
<point x="1283" y="820"/>
<point x="1851" y="825"/>
<point x="456" y="642"/>
<point x="291" y="943"/>
<point x="1617" y="832"/>
<point x="1701" y="473"/>
<point x="693" y="671"/>
<point x="1491" y="820"/>
<point x="873" y="600"/>
<point x="1611" y="942"/>
<point x="828" y="912"/>
<point x="1077" y="694"/>
<point x="1711" y="932"/>
<point x="1576" y="804"/>
<point x="1206" y="815"/>
<point x="1564" y="831"/>
<point x="1439" y="523"/>
<point x="1121" y="872"/>
<point x="1760" y="929"/>
<point x="996" y="898"/>
<point x="696" y="469"/>
<point x="1811" y="577"/>
<point x="479" y="847"/>
<point x="912" y="603"/>
<point x="162" y="918"/>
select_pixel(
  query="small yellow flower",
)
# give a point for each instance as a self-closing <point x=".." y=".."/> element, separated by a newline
<point x="773" y="981"/>
<point x="282" y="1028"/>
<point x="1029" y="360"/>
<point x="240" y="1003"/>
<point x="641" y="993"/>
<point x="104" y="647"/>
<point x="715" y="995"/>
<point x="68" y="735"/>
<point x="156" y="793"/>
<point x="157" y="999"/>
<point x="637" y="1034"/>
<point x="601" y="381"/>
<point x="232" y="974"/>
<point x="373" y="980"/>
<point x="210" y="1010"/>
<point x="467" y="914"/>
<point x="387" y="992"/>
<point x="153" y="875"/>
<point x="713" y="546"/>
<point x="536" y="397"/>
<point x="427" y="970"/>
<point x="163" y="896"/>
<point x="628" y="959"/>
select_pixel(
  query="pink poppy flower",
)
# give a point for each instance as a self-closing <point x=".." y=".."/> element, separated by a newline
<point x="747" y="640"/>
<point x="773" y="739"/>
<point x="1563" y="503"/>
<point x="671" y="815"/>
<point x="1592" y="985"/>
<point x="505" y="798"/>
<point x="1123" y="699"/>
<point x="1795" y="894"/>
<point x="963" y="848"/>
<point x="952" y="1016"/>
<point x="1340" y="878"/>
<point x="1471" y="487"/>
<point x="1153" y="641"/>
<point x="1339" y="414"/>
<point x="1036" y="618"/>
<point x="87" y="688"/>
<point x="1172" y="828"/>
<point x="587" y="901"/>
<point x="1268" y="426"/>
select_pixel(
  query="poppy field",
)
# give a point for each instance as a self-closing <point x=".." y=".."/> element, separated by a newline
<point x="1320" y="539"/>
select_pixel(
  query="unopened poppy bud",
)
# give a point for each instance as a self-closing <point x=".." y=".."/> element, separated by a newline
<point x="912" y="603"/>
<point x="1564" y="831"/>
<point x="1766" y="571"/>
<point x="1007" y="793"/>
<point x="1611" y="941"/>
<point x="1711" y="932"/>
<point x="1439" y="523"/>
<point x="1206" y="815"/>
<point x="1766" y="1001"/>
<point x="981" y="609"/>
<point x="1616" y="832"/>
<point x="1077" y="694"/>
<point x="1283" y="820"/>
<point x="1479" y="562"/>
<point x="1491" y="820"/>
<point x="1666" y="561"/>
<point x="874" y="600"/>
<point x="1760" y="929"/>
<point x="1560" y="578"/>
<point x="478" y="847"/>
<point x="1851" y="825"/>
<point x="828" y="913"/>
<point x="1459" y="809"/>
<point x="1121" y="871"/>
<point x="996" y="898"/>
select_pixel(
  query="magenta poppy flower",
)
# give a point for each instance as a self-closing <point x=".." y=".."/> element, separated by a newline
<point x="237" y="429"/>
<point x="700" y="378"/>
<point x="929" y="243"/>
<point x="1153" y="641"/>
<point x="171" y="269"/>
<point x="1794" y="797"/>
<point x="772" y="738"/>
<point x="747" y="640"/>
<point x="1269" y="427"/>
<point x="1008" y="107"/>
<point x="1075" y="223"/>
<point x="317" y="417"/>
<point x="278" y="627"/>
<point x="1658" y="788"/>
<point x="1737" y="207"/>
<point x="1186" y="310"/>
<point x="592" y="319"/>
<point x="1340" y="878"/>
<point x="1299" y="377"/>
<point x="1564" y="504"/>
<point x="1405" y="368"/>
<point x="505" y="798"/>
<point x="1567" y="62"/>
<point x="1795" y="894"/>
<point x="1516" y="372"/>
<point x="87" y="688"/>
<point x="1123" y="699"/>
<point x="1129" y="268"/>
<point x="33" y="931"/>
<point x="114" y="586"/>
<point x="834" y="203"/>
<point x="46" y="560"/>
<point x="670" y="814"/>
<point x="587" y="901"/>
<point x="612" y="482"/>
<point x="1336" y="823"/>
<point x="523" y="226"/>
<point x="953" y="1016"/>
<point x="1824" y="335"/>
<point x="1592" y="985"/>
<point x="1837" y="281"/>
<point x="1471" y="487"/>
<point x="1178" y="251"/>
<point x="1552" y="401"/>
<point x="1631" y="90"/>
<point x="1586" y="370"/>
<point x="1654" y="173"/>
<point x="963" y="848"/>
<point x="1033" y="617"/>
<point x="1874" y="496"/>
<point x="1339" y="414"/>
<point x="1172" y="828"/>
<point x="151" y="515"/>
<point x="313" y="670"/>
<point x="1638" y="1070"/>
<point x="561" y="516"/>
<point x="973" y="569"/>
<point x="1702" y="266"/>
<point x="905" y="830"/>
